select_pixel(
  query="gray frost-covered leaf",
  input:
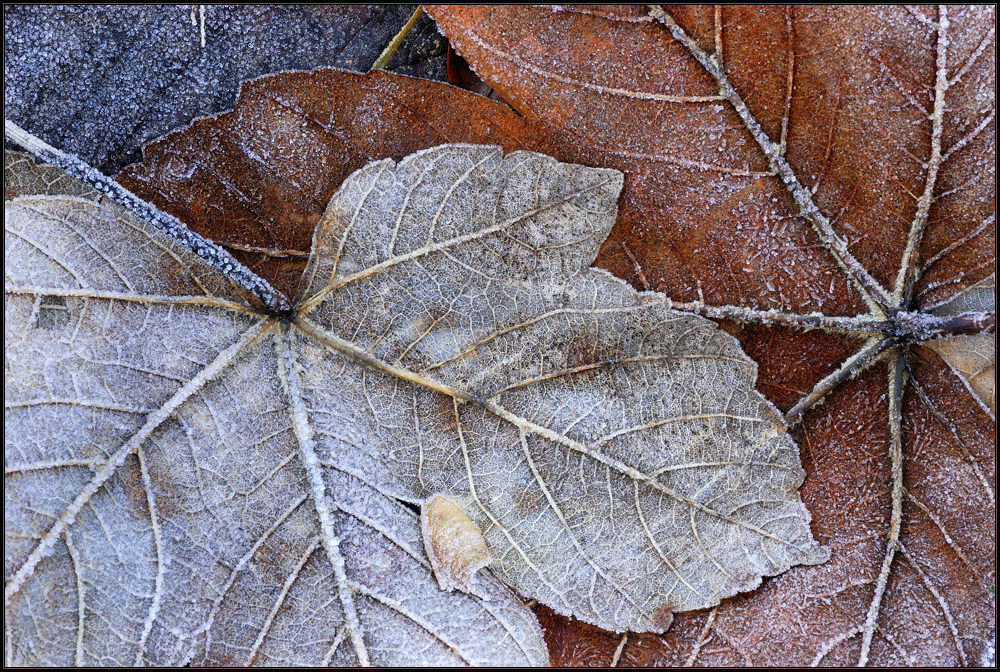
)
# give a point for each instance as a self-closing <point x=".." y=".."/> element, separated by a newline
<point x="614" y="452"/>
<point x="161" y="504"/>
<point x="190" y="480"/>
<point x="102" y="81"/>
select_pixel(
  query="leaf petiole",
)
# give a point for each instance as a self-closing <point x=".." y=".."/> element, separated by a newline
<point x="204" y="248"/>
<point x="390" y="49"/>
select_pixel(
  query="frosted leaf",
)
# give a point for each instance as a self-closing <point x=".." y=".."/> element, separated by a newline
<point x="160" y="505"/>
<point x="190" y="480"/>
<point x="972" y="357"/>
<point x="613" y="452"/>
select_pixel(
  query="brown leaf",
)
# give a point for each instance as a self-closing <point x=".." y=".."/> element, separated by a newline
<point x="806" y="160"/>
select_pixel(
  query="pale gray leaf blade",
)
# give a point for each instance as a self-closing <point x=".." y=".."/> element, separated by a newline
<point x="972" y="357"/>
<point x="401" y="604"/>
<point x="92" y="296"/>
<point x="84" y="333"/>
<point x="614" y="452"/>
<point x="386" y="216"/>
<point x="147" y="415"/>
<point x="23" y="176"/>
<point x="393" y="611"/>
<point x="77" y="244"/>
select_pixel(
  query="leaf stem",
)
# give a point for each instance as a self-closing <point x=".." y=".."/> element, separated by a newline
<point x="897" y="381"/>
<point x="925" y="326"/>
<point x="909" y="271"/>
<point x="861" y="323"/>
<point x="905" y="325"/>
<point x="851" y="367"/>
<point x="390" y="50"/>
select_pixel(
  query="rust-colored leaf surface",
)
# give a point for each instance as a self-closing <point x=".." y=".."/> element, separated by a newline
<point x="834" y="166"/>
<point x="257" y="179"/>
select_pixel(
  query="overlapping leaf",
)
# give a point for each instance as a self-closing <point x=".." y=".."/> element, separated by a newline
<point x="258" y="179"/>
<point x="158" y="505"/>
<point x="845" y="107"/>
<point x="753" y="138"/>
<point x="249" y="467"/>
<point x="973" y="357"/>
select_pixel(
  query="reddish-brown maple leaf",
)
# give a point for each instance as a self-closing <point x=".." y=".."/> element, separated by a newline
<point x="822" y="163"/>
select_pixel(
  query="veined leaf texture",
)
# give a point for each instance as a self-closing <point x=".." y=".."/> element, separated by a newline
<point x="179" y="462"/>
<point x="789" y="167"/>
<point x="717" y="117"/>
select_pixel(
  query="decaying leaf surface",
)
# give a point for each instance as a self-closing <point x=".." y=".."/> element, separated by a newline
<point x="768" y="149"/>
<point x="612" y="451"/>
<point x="101" y="81"/>
<point x="251" y="468"/>
<point x="258" y="179"/>
<point x="162" y="502"/>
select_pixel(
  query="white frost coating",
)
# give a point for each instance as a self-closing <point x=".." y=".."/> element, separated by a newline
<point x="278" y="603"/>
<point x="161" y="562"/>
<point x="116" y="340"/>
<point x="43" y="64"/>
<point x="211" y="253"/>
<point x="303" y="431"/>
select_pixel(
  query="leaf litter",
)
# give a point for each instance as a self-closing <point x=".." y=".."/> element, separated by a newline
<point x="874" y="128"/>
<point x="252" y="463"/>
<point x="948" y="417"/>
